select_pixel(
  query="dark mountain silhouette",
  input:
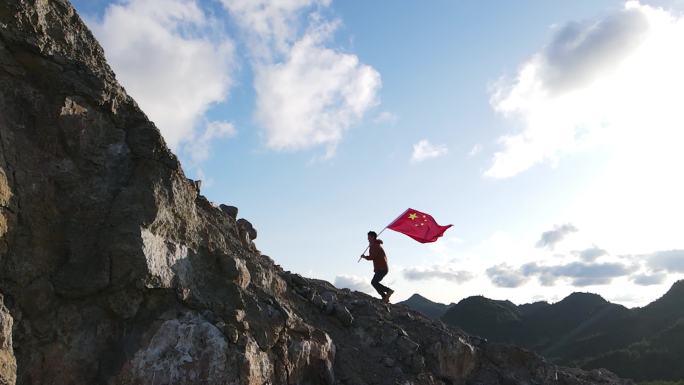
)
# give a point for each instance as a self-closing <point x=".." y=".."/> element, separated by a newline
<point x="484" y="316"/>
<point x="530" y="308"/>
<point x="587" y="331"/>
<point x="667" y="308"/>
<point x="656" y="340"/>
<point x="431" y="309"/>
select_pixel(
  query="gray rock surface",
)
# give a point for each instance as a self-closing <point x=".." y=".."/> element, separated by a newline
<point x="115" y="270"/>
<point x="8" y="364"/>
<point x="231" y="211"/>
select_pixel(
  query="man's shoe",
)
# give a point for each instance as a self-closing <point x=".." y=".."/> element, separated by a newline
<point x="387" y="295"/>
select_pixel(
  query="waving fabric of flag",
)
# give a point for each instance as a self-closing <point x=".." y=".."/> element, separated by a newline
<point x="420" y="226"/>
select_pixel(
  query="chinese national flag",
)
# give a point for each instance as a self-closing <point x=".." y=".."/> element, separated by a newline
<point x="420" y="226"/>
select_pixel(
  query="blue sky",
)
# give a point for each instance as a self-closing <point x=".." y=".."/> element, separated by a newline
<point x="324" y="119"/>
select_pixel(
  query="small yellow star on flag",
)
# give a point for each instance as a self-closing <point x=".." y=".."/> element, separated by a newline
<point x="418" y="225"/>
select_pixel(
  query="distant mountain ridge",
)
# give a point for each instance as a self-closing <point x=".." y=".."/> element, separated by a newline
<point x="584" y="330"/>
<point x="431" y="309"/>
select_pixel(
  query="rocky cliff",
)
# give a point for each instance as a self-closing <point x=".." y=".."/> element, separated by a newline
<point x="115" y="270"/>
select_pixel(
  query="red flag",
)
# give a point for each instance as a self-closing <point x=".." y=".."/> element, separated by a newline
<point x="420" y="226"/>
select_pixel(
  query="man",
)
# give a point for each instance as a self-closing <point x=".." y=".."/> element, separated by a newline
<point x="377" y="255"/>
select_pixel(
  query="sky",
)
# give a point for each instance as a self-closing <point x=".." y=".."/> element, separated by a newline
<point x="548" y="133"/>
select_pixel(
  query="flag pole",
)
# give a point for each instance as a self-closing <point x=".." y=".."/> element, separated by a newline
<point x="394" y="220"/>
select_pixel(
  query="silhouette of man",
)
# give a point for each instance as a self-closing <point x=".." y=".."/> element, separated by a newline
<point x="377" y="255"/>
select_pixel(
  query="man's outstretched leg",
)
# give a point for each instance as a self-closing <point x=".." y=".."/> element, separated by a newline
<point x="384" y="291"/>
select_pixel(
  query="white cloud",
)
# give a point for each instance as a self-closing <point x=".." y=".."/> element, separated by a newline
<point x="613" y="81"/>
<point x="444" y="249"/>
<point x="199" y="148"/>
<point x="649" y="279"/>
<point x="176" y="61"/>
<point x="171" y="57"/>
<point x="354" y="283"/>
<point x="307" y="94"/>
<point x="670" y="260"/>
<point x="504" y="275"/>
<point x="552" y="237"/>
<point x="424" y="150"/>
<point x="582" y="274"/>
<point x="314" y="96"/>
<point x="386" y="117"/>
<point x="272" y="25"/>
<point x="440" y="272"/>
<point x="509" y="266"/>
<point x="590" y="254"/>
<point x="475" y="150"/>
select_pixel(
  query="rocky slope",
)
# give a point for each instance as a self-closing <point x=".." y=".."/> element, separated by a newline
<point x="115" y="270"/>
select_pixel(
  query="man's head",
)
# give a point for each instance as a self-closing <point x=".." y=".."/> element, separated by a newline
<point x="372" y="235"/>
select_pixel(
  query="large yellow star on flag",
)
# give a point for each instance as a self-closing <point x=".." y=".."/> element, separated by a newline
<point x="413" y="216"/>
